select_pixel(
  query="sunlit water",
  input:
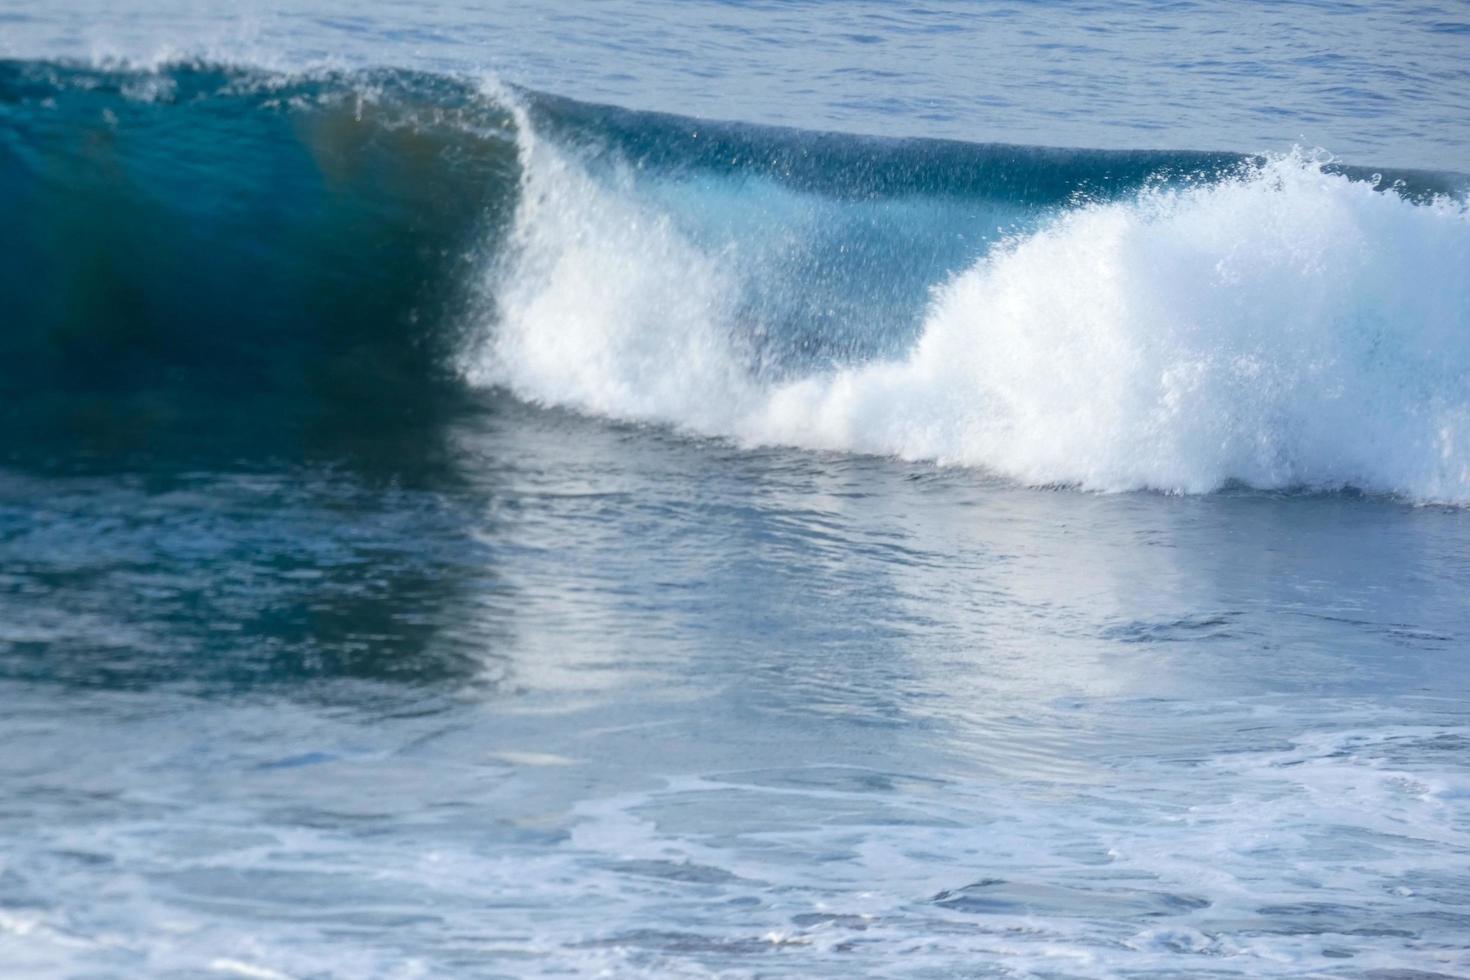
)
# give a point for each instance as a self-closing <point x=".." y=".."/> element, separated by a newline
<point x="574" y="670"/>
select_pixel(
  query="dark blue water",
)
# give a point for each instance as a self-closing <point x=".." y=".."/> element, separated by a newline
<point x="1007" y="520"/>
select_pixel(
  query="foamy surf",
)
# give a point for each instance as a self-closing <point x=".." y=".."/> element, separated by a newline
<point x="1283" y="326"/>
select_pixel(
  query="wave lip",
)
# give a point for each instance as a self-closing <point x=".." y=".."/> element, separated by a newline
<point x="1285" y="326"/>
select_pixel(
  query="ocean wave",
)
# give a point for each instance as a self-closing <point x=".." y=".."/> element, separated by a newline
<point x="191" y="235"/>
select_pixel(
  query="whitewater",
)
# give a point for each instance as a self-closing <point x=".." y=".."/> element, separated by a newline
<point x="1281" y="327"/>
<point x="681" y="488"/>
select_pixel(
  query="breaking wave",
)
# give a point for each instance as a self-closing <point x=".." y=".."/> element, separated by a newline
<point x="1278" y="322"/>
<point x="192" y="237"/>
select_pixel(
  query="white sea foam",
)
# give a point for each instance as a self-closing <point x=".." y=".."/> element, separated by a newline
<point x="607" y="306"/>
<point x="1287" y="328"/>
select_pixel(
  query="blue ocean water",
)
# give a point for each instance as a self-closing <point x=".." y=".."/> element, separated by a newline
<point x="736" y="489"/>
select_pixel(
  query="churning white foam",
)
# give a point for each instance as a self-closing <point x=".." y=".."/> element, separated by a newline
<point x="1287" y="327"/>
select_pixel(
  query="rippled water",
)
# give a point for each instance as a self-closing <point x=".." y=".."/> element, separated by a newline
<point x="592" y="698"/>
<point x="314" y="663"/>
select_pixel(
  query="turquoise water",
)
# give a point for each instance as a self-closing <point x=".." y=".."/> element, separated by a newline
<point x="734" y="489"/>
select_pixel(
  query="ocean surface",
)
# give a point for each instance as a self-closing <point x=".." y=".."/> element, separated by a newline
<point x="774" y="489"/>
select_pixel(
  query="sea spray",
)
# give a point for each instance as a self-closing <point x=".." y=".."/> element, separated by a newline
<point x="1285" y="326"/>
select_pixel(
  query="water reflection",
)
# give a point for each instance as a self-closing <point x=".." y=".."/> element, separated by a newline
<point x="597" y="696"/>
<point x="824" y="596"/>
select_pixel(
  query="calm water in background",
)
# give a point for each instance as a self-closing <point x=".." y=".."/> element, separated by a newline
<point x="507" y="686"/>
<point x="1379" y="84"/>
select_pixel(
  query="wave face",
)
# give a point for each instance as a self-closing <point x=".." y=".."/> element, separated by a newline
<point x="200" y="251"/>
<point x="193" y="239"/>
